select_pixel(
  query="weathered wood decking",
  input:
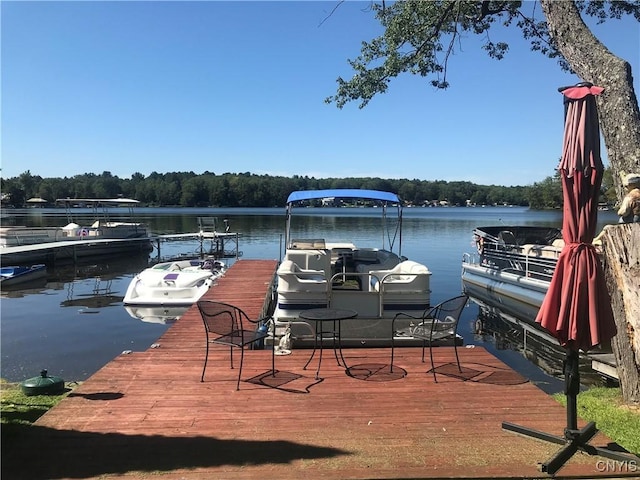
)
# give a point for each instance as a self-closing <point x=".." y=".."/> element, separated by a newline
<point x="147" y="414"/>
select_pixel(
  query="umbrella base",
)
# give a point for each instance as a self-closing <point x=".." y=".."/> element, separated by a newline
<point x="573" y="441"/>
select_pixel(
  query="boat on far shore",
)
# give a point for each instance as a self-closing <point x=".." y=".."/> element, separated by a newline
<point x="101" y="235"/>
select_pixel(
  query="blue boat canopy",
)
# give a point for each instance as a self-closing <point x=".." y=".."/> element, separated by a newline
<point x="377" y="195"/>
<point x="342" y="193"/>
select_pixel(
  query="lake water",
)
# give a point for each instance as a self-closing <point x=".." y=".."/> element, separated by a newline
<point x="74" y="322"/>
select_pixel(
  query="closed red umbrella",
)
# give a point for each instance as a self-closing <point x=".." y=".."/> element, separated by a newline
<point x="577" y="307"/>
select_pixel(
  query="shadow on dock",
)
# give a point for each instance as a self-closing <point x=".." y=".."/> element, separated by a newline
<point x="116" y="453"/>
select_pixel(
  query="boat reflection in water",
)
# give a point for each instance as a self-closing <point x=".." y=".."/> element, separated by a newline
<point x="163" y="315"/>
<point x="534" y="344"/>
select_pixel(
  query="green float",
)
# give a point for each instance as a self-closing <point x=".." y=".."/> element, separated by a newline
<point x="43" y="385"/>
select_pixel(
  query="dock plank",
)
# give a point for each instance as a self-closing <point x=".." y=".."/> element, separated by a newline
<point x="147" y="413"/>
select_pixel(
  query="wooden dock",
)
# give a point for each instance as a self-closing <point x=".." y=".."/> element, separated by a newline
<point x="147" y="415"/>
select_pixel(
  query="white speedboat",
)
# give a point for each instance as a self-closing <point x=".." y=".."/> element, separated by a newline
<point x="512" y="268"/>
<point x="377" y="282"/>
<point x="174" y="283"/>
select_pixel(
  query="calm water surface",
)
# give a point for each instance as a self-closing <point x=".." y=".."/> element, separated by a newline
<point x="74" y="322"/>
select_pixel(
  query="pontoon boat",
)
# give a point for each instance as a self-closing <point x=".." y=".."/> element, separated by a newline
<point x="377" y="282"/>
<point x="512" y="268"/>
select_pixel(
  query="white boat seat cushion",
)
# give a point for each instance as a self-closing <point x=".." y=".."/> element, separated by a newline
<point x="407" y="276"/>
<point x="293" y="278"/>
<point x="170" y="278"/>
<point x="312" y="260"/>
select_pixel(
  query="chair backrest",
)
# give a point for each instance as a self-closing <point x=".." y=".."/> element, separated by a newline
<point x="447" y="315"/>
<point x="221" y="318"/>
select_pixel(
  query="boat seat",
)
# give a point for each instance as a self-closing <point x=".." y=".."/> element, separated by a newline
<point x="407" y="276"/>
<point x="293" y="278"/>
<point x="173" y="267"/>
<point x="369" y="260"/>
<point x="311" y="259"/>
<point x="308" y="244"/>
<point x="541" y="251"/>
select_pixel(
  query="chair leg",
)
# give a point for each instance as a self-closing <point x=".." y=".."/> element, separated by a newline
<point x="206" y="357"/>
<point x="433" y="365"/>
<point x="392" y="348"/>
<point x="240" y="372"/>
<point x="455" y="348"/>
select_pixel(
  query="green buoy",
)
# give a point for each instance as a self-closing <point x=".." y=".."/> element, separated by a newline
<point x="42" y="385"/>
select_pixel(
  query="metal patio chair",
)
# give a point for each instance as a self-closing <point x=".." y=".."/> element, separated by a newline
<point x="436" y="323"/>
<point x="228" y="325"/>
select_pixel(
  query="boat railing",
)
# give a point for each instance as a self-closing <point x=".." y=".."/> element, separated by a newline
<point x="528" y="262"/>
<point x="30" y="236"/>
<point x="360" y="288"/>
<point x="413" y="279"/>
<point x="350" y="290"/>
<point x="472" y="258"/>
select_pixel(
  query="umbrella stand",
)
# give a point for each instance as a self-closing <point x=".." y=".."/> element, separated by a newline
<point x="574" y="439"/>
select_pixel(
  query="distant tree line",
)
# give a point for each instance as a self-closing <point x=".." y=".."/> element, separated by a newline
<point x="188" y="189"/>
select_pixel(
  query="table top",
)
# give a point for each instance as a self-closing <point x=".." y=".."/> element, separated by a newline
<point x="321" y="314"/>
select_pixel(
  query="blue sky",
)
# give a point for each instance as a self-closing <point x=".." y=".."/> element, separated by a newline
<point x="130" y="87"/>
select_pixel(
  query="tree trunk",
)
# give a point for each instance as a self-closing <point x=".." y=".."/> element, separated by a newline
<point x="622" y="271"/>
<point x="593" y="62"/>
<point x="620" y="125"/>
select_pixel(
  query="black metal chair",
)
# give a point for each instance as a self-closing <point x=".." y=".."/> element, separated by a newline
<point x="228" y="325"/>
<point x="436" y="323"/>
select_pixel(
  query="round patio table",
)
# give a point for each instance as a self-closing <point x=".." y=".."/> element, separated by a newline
<point x="321" y="316"/>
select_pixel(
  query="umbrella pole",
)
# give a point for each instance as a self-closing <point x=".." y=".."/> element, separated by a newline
<point x="574" y="439"/>
<point x="571" y="370"/>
